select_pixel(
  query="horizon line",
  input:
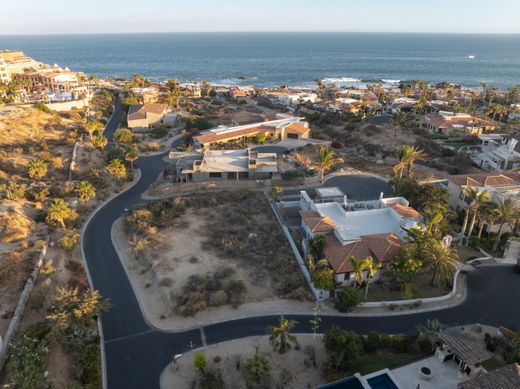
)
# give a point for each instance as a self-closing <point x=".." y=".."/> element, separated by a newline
<point x="261" y="32"/>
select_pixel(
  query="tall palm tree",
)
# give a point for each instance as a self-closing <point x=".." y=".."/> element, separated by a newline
<point x="406" y="158"/>
<point x="441" y="261"/>
<point x="131" y="155"/>
<point x="326" y="160"/>
<point x="508" y="213"/>
<point x="372" y="269"/>
<point x="58" y="212"/>
<point x="488" y="214"/>
<point x="480" y="198"/>
<point x="358" y="268"/>
<point x="414" y="154"/>
<point x="470" y="194"/>
<point x="281" y="337"/>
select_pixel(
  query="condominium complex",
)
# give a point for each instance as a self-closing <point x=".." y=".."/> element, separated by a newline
<point x="4" y="75"/>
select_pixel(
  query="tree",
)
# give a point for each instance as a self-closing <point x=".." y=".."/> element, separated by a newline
<point x="479" y="199"/>
<point x="358" y="268"/>
<point x="131" y="156"/>
<point x="323" y="278"/>
<point x="69" y="240"/>
<point x="344" y="346"/>
<point x="36" y="169"/>
<point x="116" y="168"/>
<point x="58" y="212"/>
<point x="123" y="136"/>
<point x="277" y="192"/>
<point x="206" y="89"/>
<point x="508" y="213"/>
<point x="92" y="127"/>
<point x="257" y="370"/>
<point x="199" y="361"/>
<point x="348" y="297"/>
<point x="487" y="215"/>
<point x="316" y="246"/>
<point x="469" y="195"/>
<point x="441" y="262"/>
<point x="85" y="191"/>
<point x="280" y="336"/>
<point x="371" y="269"/>
<point x="406" y="159"/>
<point x="74" y="314"/>
<point x="326" y="160"/>
<point x="173" y="92"/>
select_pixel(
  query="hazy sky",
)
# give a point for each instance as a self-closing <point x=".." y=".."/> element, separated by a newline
<point x="97" y="16"/>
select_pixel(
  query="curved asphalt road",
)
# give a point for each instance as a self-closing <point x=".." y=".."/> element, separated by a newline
<point x="136" y="353"/>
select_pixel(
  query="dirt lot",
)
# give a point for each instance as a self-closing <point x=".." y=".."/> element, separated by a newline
<point x="209" y="242"/>
<point x="288" y="371"/>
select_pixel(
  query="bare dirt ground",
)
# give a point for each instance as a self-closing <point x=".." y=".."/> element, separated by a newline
<point x="288" y="371"/>
<point x="88" y="158"/>
<point x="159" y="276"/>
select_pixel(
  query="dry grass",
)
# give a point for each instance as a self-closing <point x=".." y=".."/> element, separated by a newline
<point x="15" y="224"/>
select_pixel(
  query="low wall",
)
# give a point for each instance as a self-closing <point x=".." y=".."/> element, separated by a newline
<point x="20" y="308"/>
<point x="67" y="105"/>
<point x="379" y="304"/>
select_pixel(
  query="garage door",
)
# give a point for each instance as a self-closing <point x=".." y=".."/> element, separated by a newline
<point x="293" y="136"/>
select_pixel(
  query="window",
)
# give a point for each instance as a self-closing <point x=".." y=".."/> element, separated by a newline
<point x="461" y="195"/>
<point x="215" y="175"/>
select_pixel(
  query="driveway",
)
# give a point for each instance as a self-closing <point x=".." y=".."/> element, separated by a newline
<point x="360" y="186"/>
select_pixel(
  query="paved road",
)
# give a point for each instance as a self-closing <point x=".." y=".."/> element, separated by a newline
<point x="360" y="187"/>
<point x="136" y="353"/>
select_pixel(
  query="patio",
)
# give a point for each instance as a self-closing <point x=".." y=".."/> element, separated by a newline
<point x="443" y="375"/>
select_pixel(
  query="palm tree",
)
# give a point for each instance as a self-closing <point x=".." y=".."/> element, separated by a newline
<point x="36" y="168"/>
<point x="281" y="337"/>
<point x="358" y="268"/>
<point x="470" y="194"/>
<point x="86" y="191"/>
<point x="257" y="369"/>
<point x="116" y="168"/>
<point x="58" y="212"/>
<point x="312" y="265"/>
<point x="478" y="202"/>
<point x="326" y="160"/>
<point x="372" y="269"/>
<point x="488" y="214"/>
<point x="406" y="158"/>
<point x="93" y="126"/>
<point x="508" y="213"/>
<point x="441" y="261"/>
<point x="131" y="156"/>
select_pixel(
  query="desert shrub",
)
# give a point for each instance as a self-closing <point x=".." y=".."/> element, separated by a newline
<point x="425" y="345"/>
<point x="235" y="290"/>
<point x="372" y="342"/>
<point x="191" y="304"/>
<point x="256" y="370"/>
<point x="28" y="363"/>
<point x="69" y="240"/>
<point x="15" y="226"/>
<point x="199" y="361"/>
<point x="218" y="298"/>
<point x="166" y="281"/>
<point x="124" y="136"/>
<point x="72" y="265"/>
<point x="348" y="297"/>
<point x="398" y="344"/>
<point x="343" y="346"/>
<point x="210" y="379"/>
<point x="12" y="191"/>
<point x="159" y="132"/>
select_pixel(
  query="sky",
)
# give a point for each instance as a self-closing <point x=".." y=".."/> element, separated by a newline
<point x="112" y="16"/>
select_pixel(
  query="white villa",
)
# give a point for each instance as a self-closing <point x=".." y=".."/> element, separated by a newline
<point x="496" y="153"/>
<point x="287" y="127"/>
<point x="449" y="123"/>
<point x="359" y="229"/>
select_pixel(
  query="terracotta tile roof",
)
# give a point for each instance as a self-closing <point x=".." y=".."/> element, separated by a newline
<point x="507" y="377"/>
<point x="316" y="222"/>
<point x="381" y="248"/>
<point x="405" y="211"/>
<point x="464" y="346"/>
<point x="224" y="136"/>
<point x="299" y="128"/>
<point x="490" y="179"/>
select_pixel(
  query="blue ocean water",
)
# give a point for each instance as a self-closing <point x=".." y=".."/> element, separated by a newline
<point x="273" y="59"/>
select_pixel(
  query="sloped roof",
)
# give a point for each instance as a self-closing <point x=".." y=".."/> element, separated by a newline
<point x="507" y="377"/>
<point x="223" y="136"/>
<point x="316" y="222"/>
<point x="464" y="346"/>
<point x="299" y="128"/>
<point x="139" y="111"/>
<point x="404" y="211"/>
<point x="489" y="179"/>
<point x="381" y="248"/>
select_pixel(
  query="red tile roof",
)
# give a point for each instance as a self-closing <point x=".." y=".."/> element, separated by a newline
<point x="490" y="179"/>
<point x="404" y="211"/>
<point x="381" y="248"/>
<point x="224" y="136"/>
<point x="299" y="128"/>
<point x="316" y="222"/>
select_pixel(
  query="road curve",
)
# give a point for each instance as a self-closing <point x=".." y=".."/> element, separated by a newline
<point x="136" y="353"/>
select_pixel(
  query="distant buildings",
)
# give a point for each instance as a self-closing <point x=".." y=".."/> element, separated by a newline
<point x="4" y="75"/>
<point x="144" y="115"/>
<point x="449" y="123"/>
<point x="287" y="128"/>
<point x="496" y="153"/>
<point x="358" y="229"/>
<point x="17" y="62"/>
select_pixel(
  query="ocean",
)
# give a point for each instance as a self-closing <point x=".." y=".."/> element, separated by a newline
<point x="274" y="59"/>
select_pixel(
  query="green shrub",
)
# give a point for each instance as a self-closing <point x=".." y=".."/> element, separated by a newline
<point x="90" y="366"/>
<point x="199" y="361"/>
<point x="124" y="135"/>
<point x="38" y="298"/>
<point x="69" y="240"/>
<point x="372" y="342"/>
<point x="347" y="298"/>
<point x="28" y="363"/>
<point x="398" y="344"/>
<point x="235" y="290"/>
<point x="72" y="265"/>
<point x="210" y="379"/>
<point x="42" y="107"/>
<point x="160" y="132"/>
<point x="426" y="345"/>
<point x="323" y="279"/>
